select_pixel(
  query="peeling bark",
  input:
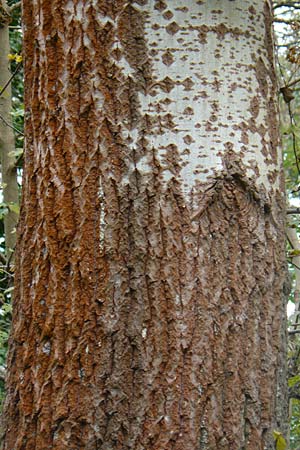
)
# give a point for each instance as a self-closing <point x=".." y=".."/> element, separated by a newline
<point x="149" y="305"/>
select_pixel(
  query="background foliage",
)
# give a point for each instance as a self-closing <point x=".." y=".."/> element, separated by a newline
<point x="287" y="26"/>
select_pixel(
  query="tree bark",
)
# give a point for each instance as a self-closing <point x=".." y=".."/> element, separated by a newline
<point x="149" y="308"/>
<point x="7" y="138"/>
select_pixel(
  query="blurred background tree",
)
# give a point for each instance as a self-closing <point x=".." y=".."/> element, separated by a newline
<point x="11" y="148"/>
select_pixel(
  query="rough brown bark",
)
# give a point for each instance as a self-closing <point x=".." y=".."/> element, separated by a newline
<point x="145" y="317"/>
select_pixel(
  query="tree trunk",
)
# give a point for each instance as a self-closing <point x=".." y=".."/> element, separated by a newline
<point x="149" y="307"/>
<point x="7" y="138"/>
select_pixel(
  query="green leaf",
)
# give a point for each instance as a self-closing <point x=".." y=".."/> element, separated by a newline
<point x="294" y="380"/>
<point x="280" y="442"/>
<point x="14" y="207"/>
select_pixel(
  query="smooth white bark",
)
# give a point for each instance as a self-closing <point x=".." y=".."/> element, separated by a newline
<point x="216" y="101"/>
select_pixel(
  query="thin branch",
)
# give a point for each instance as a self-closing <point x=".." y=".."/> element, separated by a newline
<point x="285" y="12"/>
<point x="292" y="74"/>
<point x="8" y="265"/>
<point x="294" y="5"/>
<point x="3" y="259"/>
<point x="295" y="265"/>
<point x="280" y="68"/>
<point x="293" y="211"/>
<point x="294" y="140"/>
<point x="287" y="45"/>
<point x="292" y="83"/>
<point x="286" y="21"/>
<point x="15" y="6"/>
<point x="294" y="332"/>
<point x="292" y="122"/>
<point x="10" y="275"/>
<point x="11" y="126"/>
<point x="11" y="78"/>
<point x="282" y="13"/>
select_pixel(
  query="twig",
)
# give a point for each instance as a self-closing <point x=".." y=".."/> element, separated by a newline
<point x="292" y="83"/>
<point x="293" y="211"/>
<point x="295" y="265"/>
<point x="286" y="21"/>
<point x="10" y="259"/>
<point x="287" y="45"/>
<point x="295" y="5"/>
<point x="295" y="148"/>
<point x="3" y="259"/>
<point x="294" y="141"/>
<point x="11" y="78"/>
<point x="15" y="6"/>
<point x="11" y="126"/>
